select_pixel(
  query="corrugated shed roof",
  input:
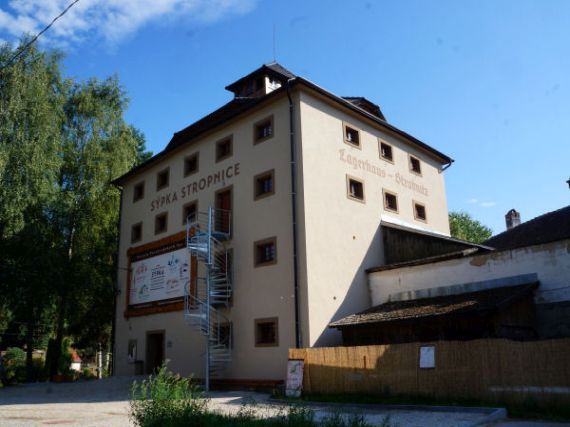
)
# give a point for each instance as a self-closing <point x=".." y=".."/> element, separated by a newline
<point x="546" y="228"/>
<point x="448" y="305"/>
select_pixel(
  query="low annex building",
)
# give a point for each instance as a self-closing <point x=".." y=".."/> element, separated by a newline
<point x="299" y="180"/>
<point x="515" y="286"/>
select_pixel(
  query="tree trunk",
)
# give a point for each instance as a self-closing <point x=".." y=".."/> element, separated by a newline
<point x="56" y="355"/>
<point x="30" y="348"/>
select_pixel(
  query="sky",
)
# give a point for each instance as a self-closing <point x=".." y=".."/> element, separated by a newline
<point x="487" y="82"/>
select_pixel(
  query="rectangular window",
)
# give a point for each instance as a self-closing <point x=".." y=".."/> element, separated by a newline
<point x="386" y="151"/>
<point x="390" y="201"/>
<point x="415" y="165"/>
<point x="420" y="212"/>
<point x="136" y="233"/>
<point x="162" y="179"/>
<point x="160" y="223"/>
<point x="265" y="252"/>
<point x="191" y="164"/>
<point x="267" y="332"/>
<point x="224" y="149"/>
<point x="264" y="184"/>
<point x="351" y="135"/>
<point x="138" y="192"/>
<point x="189" y="211"/>
<point x="354" y="189"/>
<point x="263" y="130"/>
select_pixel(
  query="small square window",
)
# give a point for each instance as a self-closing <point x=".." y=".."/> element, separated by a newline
<point x="136" y="233"/>
<point x="191" y="164"/>
<point x="265" y="252"/>
<point x="263" y="130"/>
<point x="266" y="332"/>
<point x="351" y="136"/>
<point x="419" y="212"/>
<point x="355" y="189"/>
<point x="138" y="192"/>
<point x="160" y="223"/>
<point x="264" y="184"/>
<point x="415" y="165"/>
<point x="189" y="211"/>
<point x="386" y="152"/>
<point x="162" y="179"/>
<point x="223" y="149"/>
<point x="390" y="202"/>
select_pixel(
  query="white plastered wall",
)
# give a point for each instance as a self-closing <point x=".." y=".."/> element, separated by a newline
<point x="551" y="262"/>
<point x="343" y="236"/>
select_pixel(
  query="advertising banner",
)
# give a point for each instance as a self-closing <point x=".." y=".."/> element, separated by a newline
<point x="159" y="277"/>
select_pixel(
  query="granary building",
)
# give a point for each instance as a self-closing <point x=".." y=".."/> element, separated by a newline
<point x="256" y="225"/>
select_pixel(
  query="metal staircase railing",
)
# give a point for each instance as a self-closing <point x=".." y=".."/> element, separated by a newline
<point x="206" y="234"/>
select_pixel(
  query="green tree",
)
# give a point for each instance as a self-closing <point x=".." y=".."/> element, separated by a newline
<point x="463" y="226"/>
<point x="142" y="154"/>
<point x="97" y="146"/>
<point x="61" y="144"/>
<point x="31" y="116"/>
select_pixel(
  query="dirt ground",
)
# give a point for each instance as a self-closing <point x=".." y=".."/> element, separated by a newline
<point x="105" y="403"/>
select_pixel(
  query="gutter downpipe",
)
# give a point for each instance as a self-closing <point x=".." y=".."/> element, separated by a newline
<point x="298" y="340"/>
<point x="116" y="284"/>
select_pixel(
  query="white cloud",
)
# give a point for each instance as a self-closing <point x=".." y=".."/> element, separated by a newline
<point x="487" y="204"/>
<point x="472" y="201"/>
<point x="111" y="20"/>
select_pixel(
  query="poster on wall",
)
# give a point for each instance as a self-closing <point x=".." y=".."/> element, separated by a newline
<point x="159" y="277"/>
<point x="427" y="357"/>
<point x="294" y="378"/>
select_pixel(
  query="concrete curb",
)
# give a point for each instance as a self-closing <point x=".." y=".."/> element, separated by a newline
<point x="492" y="414"/>
<point x="497" y="415"/>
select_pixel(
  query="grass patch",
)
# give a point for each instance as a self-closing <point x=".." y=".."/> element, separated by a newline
<point x="167" y="400"/>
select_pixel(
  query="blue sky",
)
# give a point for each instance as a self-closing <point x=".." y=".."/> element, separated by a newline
<point x="486" y="82"/>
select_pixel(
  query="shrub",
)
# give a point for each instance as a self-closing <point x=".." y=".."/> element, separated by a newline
<point x="166" y="400"/>
<point x="14" y="361"/>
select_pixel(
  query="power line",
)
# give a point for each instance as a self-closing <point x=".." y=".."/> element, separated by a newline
<point x="27" y="45"/>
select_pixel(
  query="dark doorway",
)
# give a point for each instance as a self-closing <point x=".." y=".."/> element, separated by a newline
<point x="223" y="208"/>
<point x="154" y="351"/>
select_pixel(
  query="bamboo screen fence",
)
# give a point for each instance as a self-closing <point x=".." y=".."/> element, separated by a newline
<point x="493" y="369"/>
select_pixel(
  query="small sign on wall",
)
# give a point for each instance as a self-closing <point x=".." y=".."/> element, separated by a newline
<point x="294" y="377"/>
<point x="132" y="351"/>
<point x="427" y="357"/>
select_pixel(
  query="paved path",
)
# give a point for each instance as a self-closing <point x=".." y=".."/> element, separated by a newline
<point x="105" y="403"/>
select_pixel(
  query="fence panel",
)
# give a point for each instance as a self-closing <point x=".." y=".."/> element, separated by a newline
<point x="487" y="369"/>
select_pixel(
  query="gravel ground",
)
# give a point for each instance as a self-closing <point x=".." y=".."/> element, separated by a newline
<point x="105" y="403"/>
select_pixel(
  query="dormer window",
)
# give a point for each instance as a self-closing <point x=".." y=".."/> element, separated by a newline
<point x="273" y="84"/>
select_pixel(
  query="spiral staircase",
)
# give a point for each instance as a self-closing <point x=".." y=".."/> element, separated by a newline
<point x="206" y="237"/>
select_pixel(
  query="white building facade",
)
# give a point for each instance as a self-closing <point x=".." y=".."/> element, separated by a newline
<point x="308" y="177"/>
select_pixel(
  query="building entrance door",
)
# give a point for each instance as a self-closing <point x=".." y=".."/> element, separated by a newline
<point x="154" y="351"/>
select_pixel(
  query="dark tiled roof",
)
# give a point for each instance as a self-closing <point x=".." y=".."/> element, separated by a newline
<point x="240" y="105"/>
<point x="365" y="104"/>
<point x="448" y="305"/>
<point x="546" y="228"/>
<point x="232" y="108"/>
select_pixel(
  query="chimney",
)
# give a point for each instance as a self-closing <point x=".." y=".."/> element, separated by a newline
<point x="513" y="218"/>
